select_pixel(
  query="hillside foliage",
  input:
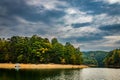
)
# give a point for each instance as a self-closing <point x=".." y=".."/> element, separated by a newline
<point x="113" y="58"/>
<point x="36" y="49"/>
<point x="94" y="58"/>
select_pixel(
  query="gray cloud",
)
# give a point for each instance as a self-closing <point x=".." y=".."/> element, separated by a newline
<point x="93" y="25"/>
<point x="77" y="25"/>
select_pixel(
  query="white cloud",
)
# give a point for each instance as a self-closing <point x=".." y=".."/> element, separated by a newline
<point x="112" y="37"/>
<point x="65" y="28"/>
<point x="104" y="19"/>
<point x="110" y="1"/>
<point x="24" y="27"/>
<point x="47" y="4"/>
<point x="107" y="43"/>
<point x="61" y="27"/>
<point x="4" y="31"/>
<point x="76" y="16"/>
<point x="68" y="31"/>
<point x="111" y="40"/>
<point x="20" y="20"/>
<point x="74" y="11"/>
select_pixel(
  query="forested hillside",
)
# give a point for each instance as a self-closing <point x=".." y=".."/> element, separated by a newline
<point x="94" y="58"/>
<point x="113" y="58"/>
<point x="38" y="50"/>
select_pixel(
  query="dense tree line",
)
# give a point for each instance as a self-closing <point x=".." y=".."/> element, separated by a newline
<point x="89" y="59"/>
<point x="113" y="58"/>
<point x="38" y="50"/>
<point x="94" y="58"/>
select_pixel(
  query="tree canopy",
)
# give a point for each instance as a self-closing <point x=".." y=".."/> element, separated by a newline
<point x="36" y="49"/>
<point x="94" y="58"/>
<point x="113" y="58"/>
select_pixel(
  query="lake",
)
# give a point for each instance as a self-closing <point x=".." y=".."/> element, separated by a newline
<point x="61" y="74"/>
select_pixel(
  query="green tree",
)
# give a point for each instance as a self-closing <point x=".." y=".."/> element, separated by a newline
<point x="38" y="50"/>
<point x="54" y="41"/>
<point x="113" y="58"/>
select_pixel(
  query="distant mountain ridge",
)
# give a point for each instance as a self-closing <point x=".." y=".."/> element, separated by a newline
<point x="113" y="58"/>
<point x="94" y="58"/>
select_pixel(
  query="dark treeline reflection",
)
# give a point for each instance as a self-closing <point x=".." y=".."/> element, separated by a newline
<point x="36" y="74"/>
<point x="61" y="74"/>
<point x="28" y="74"/>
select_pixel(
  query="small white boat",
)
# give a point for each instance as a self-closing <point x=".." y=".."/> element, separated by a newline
<point x="17" y="66"/>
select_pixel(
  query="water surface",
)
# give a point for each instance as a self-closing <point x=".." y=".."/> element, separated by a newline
<point x="61" y="74"/>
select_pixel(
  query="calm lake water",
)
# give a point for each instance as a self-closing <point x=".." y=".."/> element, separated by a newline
<point x="61" y="74"/>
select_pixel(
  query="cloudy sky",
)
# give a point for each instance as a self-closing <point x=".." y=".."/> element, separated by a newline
<point x="90" y="24"/>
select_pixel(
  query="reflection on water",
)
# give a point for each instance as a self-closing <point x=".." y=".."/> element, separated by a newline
<point x="100" y="74"/>
<point x="61" y="74"/>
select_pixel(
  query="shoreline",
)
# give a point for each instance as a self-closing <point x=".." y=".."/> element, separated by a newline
<point x="40" y="66"/>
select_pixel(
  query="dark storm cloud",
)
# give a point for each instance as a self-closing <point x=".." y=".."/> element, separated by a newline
<point x="111" y="28"/>
<point x="118" y="42"/>
<point x="45" y="17"/>
<point x="14" y="7"/>
<point x="85" y="38"/>
<point x="17" y="17"/>
<point x="77" y="25"/>
<point x="20" y="8"/>
<point x="95" y="7"/>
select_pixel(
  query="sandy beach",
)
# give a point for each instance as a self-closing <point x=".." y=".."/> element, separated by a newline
<point x="40" y="66"/>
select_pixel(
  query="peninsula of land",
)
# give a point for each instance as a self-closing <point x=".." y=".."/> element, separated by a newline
<point x="40" y="66"/>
